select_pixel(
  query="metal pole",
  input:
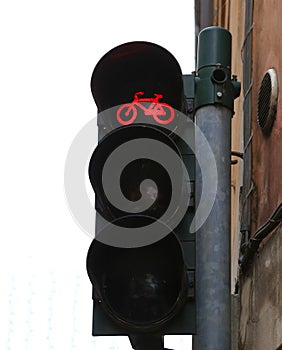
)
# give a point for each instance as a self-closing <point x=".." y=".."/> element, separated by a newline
<point x="214" y="98"/>
<point x="213" y="238"/>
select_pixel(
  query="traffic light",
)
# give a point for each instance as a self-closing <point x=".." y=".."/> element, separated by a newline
<point x="141" y="262"/>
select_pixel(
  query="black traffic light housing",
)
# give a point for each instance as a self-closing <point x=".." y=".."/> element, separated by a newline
<point x="142" y="290"/>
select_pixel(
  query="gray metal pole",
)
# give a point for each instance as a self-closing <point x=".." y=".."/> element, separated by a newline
<point x="213" y="238"/>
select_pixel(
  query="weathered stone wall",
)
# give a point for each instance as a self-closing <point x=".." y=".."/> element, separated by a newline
<point x="260" y="322"/>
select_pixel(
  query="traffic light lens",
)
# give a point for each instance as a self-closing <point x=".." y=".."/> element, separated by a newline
<point x="143" y="183"/>
<point x="136" y="66"/>
<point x="139" y="286"/>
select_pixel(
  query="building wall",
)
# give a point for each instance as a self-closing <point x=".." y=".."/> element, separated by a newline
<point x="235" y="15"/>
<point x="267" y="158"/>
<point x="260" y="321"/>
<point x="260" y="292"/>
<point x="231" y="15"/>
<point x="261" y="289"/>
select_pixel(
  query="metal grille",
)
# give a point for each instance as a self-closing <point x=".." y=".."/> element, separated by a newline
<point x="267" y="101"/>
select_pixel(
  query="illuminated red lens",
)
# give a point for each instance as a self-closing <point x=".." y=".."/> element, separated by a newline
<point x="162" y="112"/>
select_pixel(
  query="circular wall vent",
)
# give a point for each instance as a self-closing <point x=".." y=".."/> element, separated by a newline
<point x="267" y="100"/>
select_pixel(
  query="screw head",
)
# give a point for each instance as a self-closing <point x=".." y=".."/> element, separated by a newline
<point x="219" y="94"/>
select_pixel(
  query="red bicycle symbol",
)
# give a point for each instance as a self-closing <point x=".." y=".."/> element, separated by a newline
<point x="160" y="111"/>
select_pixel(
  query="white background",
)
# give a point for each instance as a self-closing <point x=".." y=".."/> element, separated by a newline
<point x="48" y="52"/>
